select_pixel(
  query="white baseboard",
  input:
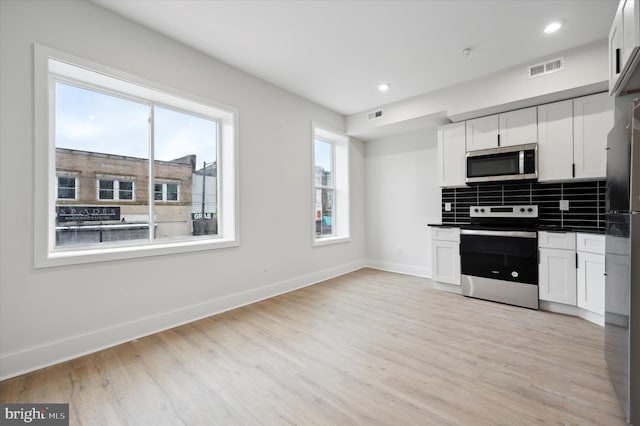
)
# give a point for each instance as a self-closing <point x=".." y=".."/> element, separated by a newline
<point x="31" y="359"/>
<point x="400" y="268"/>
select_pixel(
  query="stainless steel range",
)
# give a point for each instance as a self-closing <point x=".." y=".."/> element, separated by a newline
<point x="499" y="255"/>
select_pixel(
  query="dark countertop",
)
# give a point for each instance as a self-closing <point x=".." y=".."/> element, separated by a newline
<point x="548" y="228"/>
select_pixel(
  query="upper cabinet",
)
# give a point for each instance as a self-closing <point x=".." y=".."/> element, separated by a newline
<point x="518" y="127"/>
<point x="482" y="133"/>
<point x="510" y="128"/>
<point x="593" y="119"/>
<point x="555" y="144"/>
<point x="451" y="155"/>
<point x="624" y="39"/>
<point x="573" y="138"/>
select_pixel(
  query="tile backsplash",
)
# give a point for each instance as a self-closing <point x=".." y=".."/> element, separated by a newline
<point x="586" y="201"/>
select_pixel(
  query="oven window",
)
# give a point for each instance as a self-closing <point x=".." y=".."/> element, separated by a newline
<point x="501" y="258"/>
<point x="503" y="164"/>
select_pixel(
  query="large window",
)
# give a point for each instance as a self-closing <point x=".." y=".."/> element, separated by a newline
<point x="330" y="186"/>
<point x="131" y="169"/>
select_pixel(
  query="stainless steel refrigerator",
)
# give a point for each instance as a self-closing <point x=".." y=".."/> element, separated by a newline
<point x="622" y="262"/>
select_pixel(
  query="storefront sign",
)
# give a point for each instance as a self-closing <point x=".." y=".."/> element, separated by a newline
<point x="200" y="216"/>
<point x="87" y="213"/>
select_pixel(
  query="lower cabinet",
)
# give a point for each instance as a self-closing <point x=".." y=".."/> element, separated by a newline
<point x="445" y="255"/>
<point x="557" y="268"/>
<point x="557" y="276"/>
<point x="571" y="272"/>
<point x="590" y="278"/>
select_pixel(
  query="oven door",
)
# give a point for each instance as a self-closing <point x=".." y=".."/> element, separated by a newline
<point x="500" y="265"/>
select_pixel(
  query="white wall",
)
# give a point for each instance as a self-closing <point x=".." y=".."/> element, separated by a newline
<point x="402" y="197"/>
<point x="51" y="314"/>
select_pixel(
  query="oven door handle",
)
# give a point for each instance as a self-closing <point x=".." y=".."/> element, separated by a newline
<point x="518" y="234"/>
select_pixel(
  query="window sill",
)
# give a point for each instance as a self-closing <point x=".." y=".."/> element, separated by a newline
<point x="330" y="240"/>
<point x="63" y="257"/>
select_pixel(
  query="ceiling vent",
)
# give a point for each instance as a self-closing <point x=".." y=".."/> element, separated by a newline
<point x="545" y="68"/>
<point x="374" y="114"/>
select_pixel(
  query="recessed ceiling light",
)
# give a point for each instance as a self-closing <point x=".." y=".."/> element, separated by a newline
<point x="553" y="27"/>
<point x="383" y="87"/>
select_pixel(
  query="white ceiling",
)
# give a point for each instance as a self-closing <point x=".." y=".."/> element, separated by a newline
<point x="337" y="52"/>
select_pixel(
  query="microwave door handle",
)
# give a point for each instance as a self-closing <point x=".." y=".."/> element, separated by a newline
<point x="521" y="162"/>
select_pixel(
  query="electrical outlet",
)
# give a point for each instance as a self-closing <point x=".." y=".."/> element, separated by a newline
<point x="564" y="205"/>
<point x="447" y="207"/>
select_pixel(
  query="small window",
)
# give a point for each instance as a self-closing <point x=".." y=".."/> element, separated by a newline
<point x="166" y="191"/>
<point x="330" y="186"/>
<point x="67" y="188"/>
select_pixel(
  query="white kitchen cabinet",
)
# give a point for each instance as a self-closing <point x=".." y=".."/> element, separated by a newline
<point x="510" y="128"/>
<point x="592" y="121"/>
<point x="482" y="133"/>
<point x="555" y="141"/>
<point x="590" y="275"/>
<point x="615" y="52"/>
<point x="518" y="127"/>
<point x="591" y="282"/>
<point x="624" y="39"/>
<point x="445" y="255"/>
<point x="557" y="268"/>
<point x="451" y="155"/>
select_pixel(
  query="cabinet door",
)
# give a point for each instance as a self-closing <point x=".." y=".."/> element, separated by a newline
<point x="629" y="11"/>
<point x="518" y="127"/>
<point x="445" y="262"/>
<point x="557" y="281"/>
<point x="591" y="282"/>
<point x="615" y="51"/>
<point x="451" y="155"/>
<point x="593" y="119"/>
<point x="555" y="145"/>
<point x="482" y="133"/>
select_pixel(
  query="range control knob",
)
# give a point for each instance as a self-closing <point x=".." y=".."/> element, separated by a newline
<point x="529" y="209"/>
<point x="475" y="210"/>
<point x="522" y="209"/>
<point x="482" y="210"/>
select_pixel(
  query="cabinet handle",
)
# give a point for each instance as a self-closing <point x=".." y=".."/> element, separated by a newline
<point x="573" y="170"/>
<point x="618" y="61"/>
<point x="498" y="139"/>
<point x="576" y="260"/>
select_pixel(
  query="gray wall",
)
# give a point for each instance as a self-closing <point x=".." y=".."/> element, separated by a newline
<point x="51" y="314"/>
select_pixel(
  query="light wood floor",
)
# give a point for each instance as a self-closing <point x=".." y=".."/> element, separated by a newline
<point x="369" y="347"/>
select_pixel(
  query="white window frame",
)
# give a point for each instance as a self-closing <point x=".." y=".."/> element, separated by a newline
<point x="341" y="216"/>
<point x="116" y="188"/>
<point x="48" y="62"/>
<point x="62" y="174"/>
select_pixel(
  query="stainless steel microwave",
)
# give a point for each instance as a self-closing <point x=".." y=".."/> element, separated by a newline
<point x="518" y="162"/>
